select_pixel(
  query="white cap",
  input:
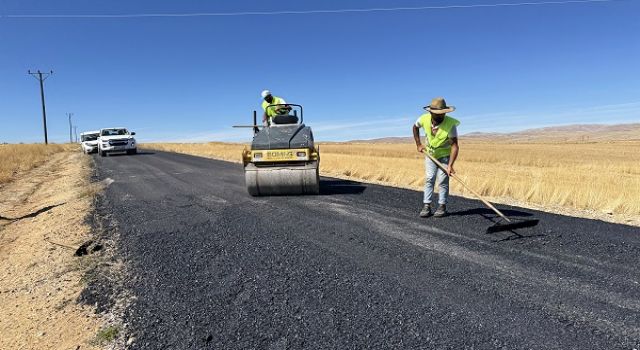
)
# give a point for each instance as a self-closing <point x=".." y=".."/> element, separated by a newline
<point x="265" y="93"/>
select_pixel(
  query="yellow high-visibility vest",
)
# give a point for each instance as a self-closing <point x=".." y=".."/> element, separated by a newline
<point x="438" y="145"/>
<point x="272" y="112"/>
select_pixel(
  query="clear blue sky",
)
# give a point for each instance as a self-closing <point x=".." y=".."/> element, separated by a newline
<point x="359" y="75"/>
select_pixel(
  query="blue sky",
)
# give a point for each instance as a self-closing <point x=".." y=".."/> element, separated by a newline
<point x="358" y="75"/>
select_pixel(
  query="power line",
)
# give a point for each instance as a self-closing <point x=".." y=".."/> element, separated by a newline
<point x="306" y="12"/>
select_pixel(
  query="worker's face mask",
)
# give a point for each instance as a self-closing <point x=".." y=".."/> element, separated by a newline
<point x="269" y="98"/>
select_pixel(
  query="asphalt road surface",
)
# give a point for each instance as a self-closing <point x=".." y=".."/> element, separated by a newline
<point x="212" y="268"/>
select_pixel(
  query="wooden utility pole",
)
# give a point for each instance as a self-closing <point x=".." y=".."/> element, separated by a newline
<point x="42" y="77"/>
<point x="70" y="137"/>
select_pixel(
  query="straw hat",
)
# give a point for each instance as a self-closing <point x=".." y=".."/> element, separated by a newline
<point x="439" y="106"/>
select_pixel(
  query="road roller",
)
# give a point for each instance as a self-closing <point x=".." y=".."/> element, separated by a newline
<point x="283" y="159"/>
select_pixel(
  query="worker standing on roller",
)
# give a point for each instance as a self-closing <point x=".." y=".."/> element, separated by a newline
<point x="270" y="112"/>
<point x="442" y="144"/>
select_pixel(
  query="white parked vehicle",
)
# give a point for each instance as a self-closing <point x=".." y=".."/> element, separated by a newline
<point x="89" y="141"/>
<point x="112" y="140"/>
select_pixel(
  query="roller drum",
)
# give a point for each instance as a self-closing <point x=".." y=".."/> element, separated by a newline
<point x="282" y="180"/>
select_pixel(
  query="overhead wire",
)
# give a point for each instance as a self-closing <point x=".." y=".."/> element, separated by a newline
<point x="305" y="12"/>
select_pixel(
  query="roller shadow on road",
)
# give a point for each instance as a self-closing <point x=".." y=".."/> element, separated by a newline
<point x="330" y="187"/>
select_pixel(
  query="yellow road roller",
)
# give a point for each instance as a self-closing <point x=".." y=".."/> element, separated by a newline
<point x="283" y="159"/>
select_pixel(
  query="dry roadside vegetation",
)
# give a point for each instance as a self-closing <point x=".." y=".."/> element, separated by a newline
<point x="15" y="159"/>
<point x="42" y="219"/>
<point x="599" y="180"/>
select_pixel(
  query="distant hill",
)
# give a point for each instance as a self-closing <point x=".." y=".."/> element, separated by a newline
<point x="568" y="133"/>
<point x="386" y="140"/>
<point x="553" y="134"/>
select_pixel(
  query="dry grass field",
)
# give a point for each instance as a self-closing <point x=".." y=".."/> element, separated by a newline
<point x="19" y="158"/>
<point x="601" y="176"/>
<point x="598" y="177"/>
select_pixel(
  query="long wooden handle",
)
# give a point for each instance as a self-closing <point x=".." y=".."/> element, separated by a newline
<point x="441" y="166"/>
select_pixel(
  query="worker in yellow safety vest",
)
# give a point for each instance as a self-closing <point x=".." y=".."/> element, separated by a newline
<point x="442" y="143"/>
<point x="270" y="108"/>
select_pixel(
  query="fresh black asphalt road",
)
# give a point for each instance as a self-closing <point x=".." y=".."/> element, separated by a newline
<point x="210" y="267"/>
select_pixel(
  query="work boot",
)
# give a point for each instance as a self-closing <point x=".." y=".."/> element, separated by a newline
<point x="426" y="211"/>
<point x="441" y="211"/>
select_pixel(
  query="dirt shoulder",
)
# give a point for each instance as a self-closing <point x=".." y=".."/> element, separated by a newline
<point x="42" y="211"/>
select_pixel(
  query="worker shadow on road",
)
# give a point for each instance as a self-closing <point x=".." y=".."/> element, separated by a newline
<point x="492" y="218"/>
<point x="486" y="212"/>
<point x="336" y="186"/>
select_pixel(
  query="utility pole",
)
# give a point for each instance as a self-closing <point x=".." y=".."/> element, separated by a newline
<point x="75" y="130"/>
<point x="42" y="77"/>
<point x="70" y="138"/>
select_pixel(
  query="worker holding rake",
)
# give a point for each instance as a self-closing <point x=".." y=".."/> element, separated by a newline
<point x="442" y="144"/>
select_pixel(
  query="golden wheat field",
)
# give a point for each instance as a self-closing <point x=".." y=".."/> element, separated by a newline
<point x="602" y="177"/>
<point x="18" y="158"/>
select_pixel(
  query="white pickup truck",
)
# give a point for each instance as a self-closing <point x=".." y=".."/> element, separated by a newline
<point x="89" y="141"/>
<point x="113" y="140"/>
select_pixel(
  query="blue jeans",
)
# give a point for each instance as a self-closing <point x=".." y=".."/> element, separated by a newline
<point x="433" y="172"/>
